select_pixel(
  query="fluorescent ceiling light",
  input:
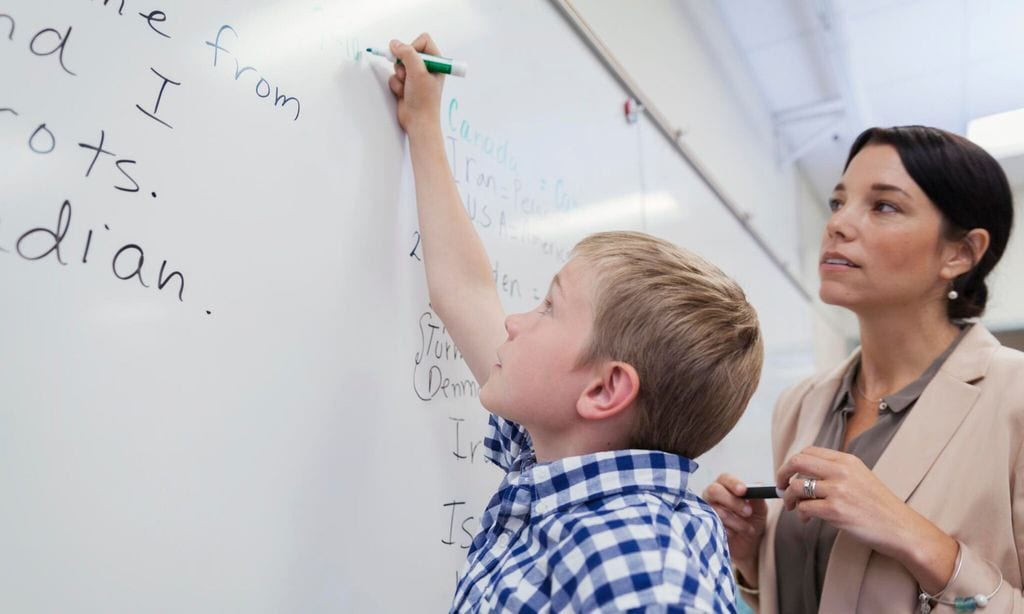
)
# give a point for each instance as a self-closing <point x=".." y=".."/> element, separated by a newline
<point x="1002" y="134"/>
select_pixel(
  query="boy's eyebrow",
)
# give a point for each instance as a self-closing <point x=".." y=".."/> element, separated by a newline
<point x="556" y="282"/>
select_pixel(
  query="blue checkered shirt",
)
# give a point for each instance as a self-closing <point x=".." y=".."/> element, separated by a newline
<point x="605" y="532"/>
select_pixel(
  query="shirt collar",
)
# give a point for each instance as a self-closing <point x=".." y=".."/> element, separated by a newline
<point x="903" y="398"/>
<point x="577" y="479"/>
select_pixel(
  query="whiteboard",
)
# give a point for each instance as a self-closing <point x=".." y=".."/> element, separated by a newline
<point x="221" y="384"/>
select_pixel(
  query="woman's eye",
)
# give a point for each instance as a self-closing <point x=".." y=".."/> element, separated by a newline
<point x="546" y="306"/>
<point x="834" y="204"/>
<point x="885" y="207"/>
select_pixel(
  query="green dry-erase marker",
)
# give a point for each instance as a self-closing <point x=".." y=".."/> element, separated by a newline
<point x="434" y="63"/>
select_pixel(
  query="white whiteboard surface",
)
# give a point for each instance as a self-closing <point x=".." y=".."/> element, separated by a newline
<point x="281" y="438"/>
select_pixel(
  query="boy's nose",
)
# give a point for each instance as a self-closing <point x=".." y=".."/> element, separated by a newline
<point x="512" y="324"/>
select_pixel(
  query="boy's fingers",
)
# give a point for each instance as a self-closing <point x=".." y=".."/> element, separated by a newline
<point x="424" y="43"/>
<point x="400" y="71"/>
<point x="410" y="59"/>
<point x="397" y="87"/>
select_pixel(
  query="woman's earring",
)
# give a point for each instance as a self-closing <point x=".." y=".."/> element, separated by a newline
<point x="953" y="295"/>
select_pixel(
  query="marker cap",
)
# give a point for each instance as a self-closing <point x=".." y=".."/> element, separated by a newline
<point x="458" y="68"/>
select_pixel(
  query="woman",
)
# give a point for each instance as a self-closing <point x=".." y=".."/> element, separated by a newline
<point x="903" y="467"/>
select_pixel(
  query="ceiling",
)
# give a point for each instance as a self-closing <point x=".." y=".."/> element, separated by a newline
<point x="827" y="69"/>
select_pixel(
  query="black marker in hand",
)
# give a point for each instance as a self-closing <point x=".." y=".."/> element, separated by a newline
<point x="763" y="492"/>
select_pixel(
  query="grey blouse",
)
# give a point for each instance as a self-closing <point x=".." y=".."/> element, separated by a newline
<point x="802" y="550"/>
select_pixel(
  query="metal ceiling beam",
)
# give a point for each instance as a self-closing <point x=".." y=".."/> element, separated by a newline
<point x="672" y="134"/>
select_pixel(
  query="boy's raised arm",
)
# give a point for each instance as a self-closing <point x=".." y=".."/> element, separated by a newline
<point x="462" y="289"/>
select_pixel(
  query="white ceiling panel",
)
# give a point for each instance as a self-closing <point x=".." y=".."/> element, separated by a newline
<point x="755" y="23"/>
<point x="826" y="167"/>
<point x="856" y="8"/>
<point x="994" y="28"/>
<point x="892" y="62"/>
<point x="995" y="86"/>
<point x="905" y="40"/>
<point x="789" y="74"/>
<point x="931" y="100"/>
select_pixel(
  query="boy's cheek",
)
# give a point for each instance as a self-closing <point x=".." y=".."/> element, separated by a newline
<point x="487" y="396"/>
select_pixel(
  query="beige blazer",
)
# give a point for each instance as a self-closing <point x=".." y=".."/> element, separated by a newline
<point x="956" y="459"/>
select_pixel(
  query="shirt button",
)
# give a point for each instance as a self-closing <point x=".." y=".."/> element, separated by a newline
<point x="883" y="406"/>
<point x="502" y="541"/>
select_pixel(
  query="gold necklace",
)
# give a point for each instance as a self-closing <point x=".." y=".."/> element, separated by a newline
<point x="880" y="401"/>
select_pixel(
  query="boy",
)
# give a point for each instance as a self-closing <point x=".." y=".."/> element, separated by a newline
<point x="641" y="357"/>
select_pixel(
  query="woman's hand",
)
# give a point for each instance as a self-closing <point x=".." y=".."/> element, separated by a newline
<point x="851" y="498"/>
<point x="417" y="91"/>
<point x="744" y="522"/>
<point x="847" y="495"/>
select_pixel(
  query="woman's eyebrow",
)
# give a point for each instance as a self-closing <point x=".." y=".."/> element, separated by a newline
<point x="885" y="187"/>
<point x="876" y="187"/>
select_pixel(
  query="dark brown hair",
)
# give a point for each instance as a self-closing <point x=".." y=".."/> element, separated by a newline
<point x="967" y="185"/>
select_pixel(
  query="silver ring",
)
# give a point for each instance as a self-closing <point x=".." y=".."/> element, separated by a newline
<point x="809" y="485"/>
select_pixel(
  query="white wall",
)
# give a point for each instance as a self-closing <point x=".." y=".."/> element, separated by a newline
<point x="682" y="57"/>
<point x="1006" y="293"/>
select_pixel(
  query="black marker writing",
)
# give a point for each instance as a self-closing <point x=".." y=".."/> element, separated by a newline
<point x="162" y="281"/>
<point x="53" y="238"/>
<point x="135" y="184"/>
<point x="157" y="16"/>
<point x="451" y="524"/>
<point x="46" y="136"/>
<point x="120" y="164"/>
<point x="156" y="107"/>
<point x="98" y="149"/>
<point x="469" y="533"/>
<point x="120" y="9"/>
<point x="88" y="242"/>
<point x="10" y="31"/>
<point x="456" y="451"/>
<point x="62" y="40"/>
<point x="138" y="263"/>
<point x="416" y="247"/>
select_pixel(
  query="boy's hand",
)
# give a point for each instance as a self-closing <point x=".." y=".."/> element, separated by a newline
<point x="417" y="91"/>
<point x="744" y="521"/>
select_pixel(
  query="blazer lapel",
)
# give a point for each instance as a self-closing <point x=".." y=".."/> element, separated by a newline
<point x="932" y="422"/>
<point x="799" y="430"/>
<point x="813" y="408"/>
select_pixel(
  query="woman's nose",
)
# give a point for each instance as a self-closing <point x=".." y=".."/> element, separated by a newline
<point x="839" y="224"/>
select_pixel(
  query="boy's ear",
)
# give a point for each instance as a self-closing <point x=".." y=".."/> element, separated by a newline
<point x="611" y="392"/>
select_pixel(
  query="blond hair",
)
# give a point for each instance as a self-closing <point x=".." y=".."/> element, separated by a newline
<point x="685" y="327"/>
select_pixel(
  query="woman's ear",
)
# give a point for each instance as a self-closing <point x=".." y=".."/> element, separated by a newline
<point x="612" y="391"/>
<point x="966" y="253"/>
